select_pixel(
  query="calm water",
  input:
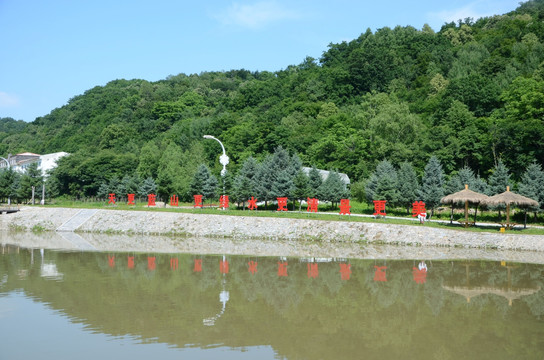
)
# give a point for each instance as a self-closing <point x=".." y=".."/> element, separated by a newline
<point x="88" y="305"/>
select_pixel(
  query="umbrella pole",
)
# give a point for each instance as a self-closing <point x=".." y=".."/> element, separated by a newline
<point x="466" y="213"/>
<point x="507" y="215"/>
<point x="451" y="216"/>
<point x="475" y="213"/>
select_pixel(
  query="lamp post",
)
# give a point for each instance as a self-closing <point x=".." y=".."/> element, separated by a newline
<point x="7" y="162"/>
<point x="223" y="159"/>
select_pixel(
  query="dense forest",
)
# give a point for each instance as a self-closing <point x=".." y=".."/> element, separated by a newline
<point x="470" y="95"/>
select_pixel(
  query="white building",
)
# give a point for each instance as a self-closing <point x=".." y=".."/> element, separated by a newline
<point x="22" y="161"/>
<point x="324" y="174"/>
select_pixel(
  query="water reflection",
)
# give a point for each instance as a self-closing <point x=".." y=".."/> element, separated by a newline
<point x="300" y="307"/>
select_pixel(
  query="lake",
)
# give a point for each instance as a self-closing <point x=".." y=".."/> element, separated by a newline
<point x="89" y="305"/>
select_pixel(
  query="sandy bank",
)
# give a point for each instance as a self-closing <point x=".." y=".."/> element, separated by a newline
<point x="259" y="236"/>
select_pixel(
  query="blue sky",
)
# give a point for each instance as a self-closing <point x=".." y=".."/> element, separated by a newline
<point x="54" y="50"/>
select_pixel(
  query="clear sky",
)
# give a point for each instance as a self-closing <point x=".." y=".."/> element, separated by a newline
<point x="51" y="51"/>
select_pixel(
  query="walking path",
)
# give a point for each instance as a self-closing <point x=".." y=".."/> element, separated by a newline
<point x="77" y="220"/>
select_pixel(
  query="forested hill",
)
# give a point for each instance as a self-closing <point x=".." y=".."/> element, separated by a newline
<point x="470" y="94"/>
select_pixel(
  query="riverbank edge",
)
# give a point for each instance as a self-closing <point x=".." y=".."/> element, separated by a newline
<point x="173" y="224"/>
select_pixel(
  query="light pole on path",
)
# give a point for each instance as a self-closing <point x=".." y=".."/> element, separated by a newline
<point x="223" y="159"/>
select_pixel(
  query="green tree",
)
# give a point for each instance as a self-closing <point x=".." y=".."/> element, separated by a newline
<point x="204" y="183"/>
<point x="9" y="181"/>
<point x="333" y="189"/>
<point x="264" y="179"/>
<point x="31" y="178"/>
<point x="532" y="184"/>
<point x="244" y="182"/>
<point x="149" y="160"/>
<point x="499" y="179"/>
<point x="383" y="184"/>
<point x="302" y="189"/>
<point x="432" y="187"/>
<point x="314" y="181"/>
<point x="169" y="178"/>
<point x="408" y="185"/>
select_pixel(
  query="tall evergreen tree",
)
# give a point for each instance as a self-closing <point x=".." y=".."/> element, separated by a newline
<point x="302" y="189"/>
<point x="408" y="185"/>
<point x="532" y="184"/>
<point x="264" y="179"/>
<point x="283" y="172"/>
<point x="200" y="179"/>
<point x="432" y="187"/>
<point x="499" y="179"/>
<point x="244" y="182"/>
<point x="314" y="181"/>
<point x="333" y="188"/>
<point x="383" y="184"/>
<point x="147" y="186"/>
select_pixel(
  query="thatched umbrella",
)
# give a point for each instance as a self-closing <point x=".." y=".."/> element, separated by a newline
<point x="467" y="196"/>
<point x="509" y="198"/>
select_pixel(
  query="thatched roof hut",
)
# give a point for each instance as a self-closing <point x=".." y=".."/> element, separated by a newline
<point x="464" y="196"/>
<point x="510" y="198"/>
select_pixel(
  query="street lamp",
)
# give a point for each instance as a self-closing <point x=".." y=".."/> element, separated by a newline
<point x="223" y="159"/>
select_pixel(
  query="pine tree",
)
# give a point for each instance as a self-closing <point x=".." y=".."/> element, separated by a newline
<point x="148" y="186"/>
<point x="244" y="182"/>
<point x="200" y="178"/>
<point x="498" y="182"/>
<point x="264" y="179"/>
<point x="532" y="184"/>
<point x="301" y="188"/>
<point x="432" y="187"/>
<point x="209" y="190"/>
<point x="408" y="185"/>
<point x="283" y="171"/>
<point x="383" y="184"/>
<point x="499" y="179"/>
<point x="314" y="181"/>
<point x="333" y="188"/>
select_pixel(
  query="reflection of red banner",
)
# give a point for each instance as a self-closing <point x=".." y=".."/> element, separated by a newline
<point x="198" y="265"/>
<point x="380" y="274"/>
<point x="420" y="276"/>
<point x="131" y="262"/>
<point x="174" y="263"/>
<point x="345" y="271"/>
<point x="151" y="263"/>
<point x="313" y="271"/>
<point x="282" y="268"/>
<point x="252" y="267"/>
<point x="111" y="261"/>
<point x="224" y="267"/>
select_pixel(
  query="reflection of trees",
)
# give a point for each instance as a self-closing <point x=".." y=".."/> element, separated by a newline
<point x="348" y="318"/>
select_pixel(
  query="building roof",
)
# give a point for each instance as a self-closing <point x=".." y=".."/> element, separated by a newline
<point x="324" y="174"/>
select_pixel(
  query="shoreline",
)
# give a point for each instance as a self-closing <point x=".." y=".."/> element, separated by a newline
<point x="144" y="231"/>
